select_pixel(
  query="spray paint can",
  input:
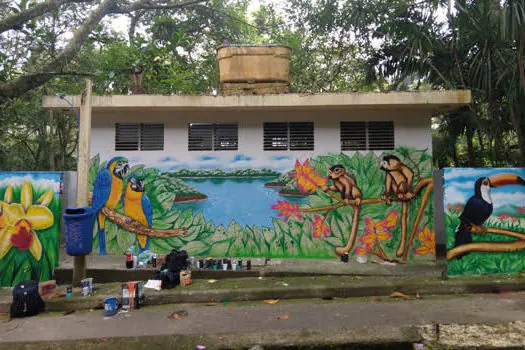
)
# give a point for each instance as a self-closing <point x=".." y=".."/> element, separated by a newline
<point x="69" y="292"/>
<point x="129" y="260"/>
<point x="135" y="261"/>
<point x="154" y="260"/>
<point x="239" y="265"/>
<point x="249" y="265"/>
<point x="344" y="258"/>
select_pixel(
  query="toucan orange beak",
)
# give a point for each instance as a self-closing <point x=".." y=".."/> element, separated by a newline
<point x="506" y="179"/>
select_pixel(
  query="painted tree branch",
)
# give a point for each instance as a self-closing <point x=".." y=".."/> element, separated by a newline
<point x="137" y="228"/>
<point x="419" y="186"/>
<point x="486" y="247"/>
<point x="489" y="247"/>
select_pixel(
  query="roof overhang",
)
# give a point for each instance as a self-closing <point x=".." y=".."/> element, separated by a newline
<point x="432" y="101"/>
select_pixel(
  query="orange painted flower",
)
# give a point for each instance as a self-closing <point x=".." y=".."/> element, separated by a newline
<point x="428" y="238"/>
<point x="287" y="209"/>
<point x="514" y="219"/>
<point x="520" y="210"/>
<point x="306" y="177"/>
<point x="503" y="216"/>
<point x="458" y="207"/>
<point x="320" y="228"/>
<point x="371" y="237"/>
<point x="449" y="207"/>
<point x="360" y="250"/>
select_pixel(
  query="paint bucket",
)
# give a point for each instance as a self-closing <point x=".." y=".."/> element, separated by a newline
<point x="110" y="306"/>
<point x="224" y="267"/>
<point x="362" y="259"/>
<point x="234" y="266"/>
<point x="86" y="286"/>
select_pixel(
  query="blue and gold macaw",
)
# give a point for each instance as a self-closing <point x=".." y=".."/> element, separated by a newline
<point x="107" y="192"/>
<point x="138" y="207"/>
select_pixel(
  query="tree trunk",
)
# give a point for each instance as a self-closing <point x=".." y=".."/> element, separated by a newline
<point x="516" y="121"/>
<point x="470" y="147"/>
<point x="52" y="166"/>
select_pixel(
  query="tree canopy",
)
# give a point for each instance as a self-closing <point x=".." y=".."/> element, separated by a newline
<point x="169" y="47"/>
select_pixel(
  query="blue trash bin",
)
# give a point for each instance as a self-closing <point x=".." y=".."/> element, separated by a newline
<point x="78" y="224"/>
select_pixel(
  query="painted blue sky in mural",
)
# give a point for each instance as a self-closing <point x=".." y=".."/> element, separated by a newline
<point x="225" y="161"/>
<point x="37" y="179"/>
<point x="459" y="186"/>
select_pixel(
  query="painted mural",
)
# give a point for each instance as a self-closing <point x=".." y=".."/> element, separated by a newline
<point x="30" y="216"/>
<point x="485" y="220"/>
<point x="374" y="206"/>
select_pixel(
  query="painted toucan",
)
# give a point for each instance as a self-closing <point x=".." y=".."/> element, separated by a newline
<point x="479" y="207"/>
<point x="107" y="192"/>
<point x="138" y="207"/>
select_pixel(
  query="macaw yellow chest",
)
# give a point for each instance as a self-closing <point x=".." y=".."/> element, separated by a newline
<point x="116" y="192"/>
<point x="133" y="208"/>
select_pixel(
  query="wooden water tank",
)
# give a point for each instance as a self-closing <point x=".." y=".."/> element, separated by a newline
<point x="254" y="69"/>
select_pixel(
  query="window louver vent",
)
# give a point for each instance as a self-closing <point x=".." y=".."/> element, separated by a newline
<point x="210" y="137"/>
<point x="152" y="137"/>
<point x="297" y="136"/>
<point x="126" y="137"/>
<point x="363" y="136"/>
<point x="275" y="136"/>
<point x="302" y="136"/>
<point x="226" y="137"/>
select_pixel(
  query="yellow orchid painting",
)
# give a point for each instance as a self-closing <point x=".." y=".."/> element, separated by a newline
<point x="30" y="212"/>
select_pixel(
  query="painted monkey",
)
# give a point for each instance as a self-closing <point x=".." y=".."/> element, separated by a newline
<point x="345" y="183"/>
<point x="398" y="181"/>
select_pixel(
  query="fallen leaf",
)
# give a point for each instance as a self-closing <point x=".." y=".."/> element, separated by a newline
<point x="179" y="314"/>
<point x="271" y="301"/>
<point x="400" y="295"/>
<point x="212" y="304"/>
<point x="284" y="317"/>
<point x="68" y="312"/>
<point x="376" y="299"/>
<point x="285" y="284"/>
<point x="418" y="296"/>
<point x="212" y="281"/>
<point x="327" y="298"/>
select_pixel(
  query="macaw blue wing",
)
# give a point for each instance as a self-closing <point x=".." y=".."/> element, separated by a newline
<point x="148" y="209"/>
<point x="101" y="189"/>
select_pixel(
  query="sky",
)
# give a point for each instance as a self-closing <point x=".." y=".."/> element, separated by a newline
<point x="459" y="186"/>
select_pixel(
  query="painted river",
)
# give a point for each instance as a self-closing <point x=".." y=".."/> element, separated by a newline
<point x="244" y="199"/>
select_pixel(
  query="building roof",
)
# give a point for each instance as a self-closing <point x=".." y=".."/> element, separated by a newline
<point x="433" y="101"/>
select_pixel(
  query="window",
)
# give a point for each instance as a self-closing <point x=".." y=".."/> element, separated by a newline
<point x="143" y="137"/>
<point x="213" y="137"/>
<point x="297" y="136"/>
<point x="363" y="136"/>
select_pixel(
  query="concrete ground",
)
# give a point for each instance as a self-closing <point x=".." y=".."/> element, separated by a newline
<point x="494" y="321"/>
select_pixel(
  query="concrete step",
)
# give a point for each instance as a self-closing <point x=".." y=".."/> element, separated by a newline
<point x="250" y="289"/>
<point x="451" y="322"/>
<point x="111" y="268"/>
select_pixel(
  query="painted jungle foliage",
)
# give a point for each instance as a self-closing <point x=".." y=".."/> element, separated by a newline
<point x="485" y="220"/>
<point x="368" y="205"/>
<point x="30" y="215"/>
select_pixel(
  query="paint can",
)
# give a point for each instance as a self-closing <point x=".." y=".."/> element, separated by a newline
<point x="344" y="258"/>
<point x="224" y="267"/>
<point x="86" y="286"/>
<point x="129" y="260"/>
<point x="69" y="292"/>
<point x="110" y="306"/>
<point x="197" y="264"/>
<point x="135" y="261"/>
<point x="249" y="265"/>
<point x="229" y="264"/>
<point x="234" y="266"/>
<point x="192" y="262"/>
<point x="201" y="263"/>
<point x="239" y="265"/>
<point x="154" y="260"/>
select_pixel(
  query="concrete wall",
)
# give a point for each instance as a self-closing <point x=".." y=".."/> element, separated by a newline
<point x="412" y="129"/>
